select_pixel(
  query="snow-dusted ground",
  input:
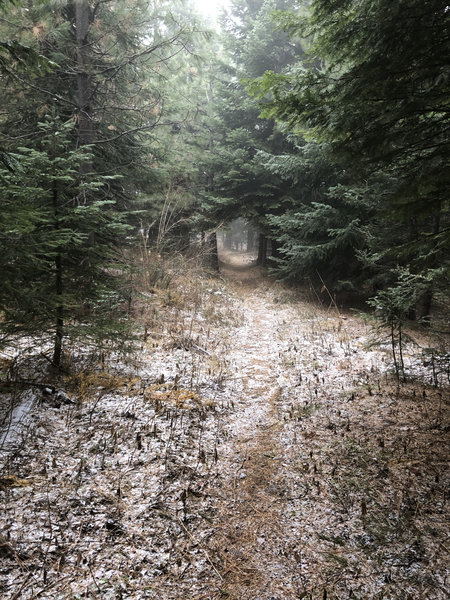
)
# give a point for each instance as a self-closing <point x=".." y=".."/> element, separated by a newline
<point x="257" y="450"/>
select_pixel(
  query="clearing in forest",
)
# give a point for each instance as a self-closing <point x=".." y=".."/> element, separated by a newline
<point x="255" y="447"/>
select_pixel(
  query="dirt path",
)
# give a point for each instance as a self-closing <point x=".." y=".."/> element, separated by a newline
<point x="250" y="536"/>
<point x="258" y="450"/>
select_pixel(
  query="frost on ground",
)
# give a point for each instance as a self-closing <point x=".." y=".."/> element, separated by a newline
<point x="256" y="448"/>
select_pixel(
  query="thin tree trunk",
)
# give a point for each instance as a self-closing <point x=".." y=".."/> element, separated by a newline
<point x="59" y="322"/>
<point x="213" y="256"/>
<point x="262" y="250"/>
<point x="84" y="79"/>
<point x="394" y="354"/>
<point x="400" y="350"/>
<point x="59" y="312"/>
<point x="275" y="251"/>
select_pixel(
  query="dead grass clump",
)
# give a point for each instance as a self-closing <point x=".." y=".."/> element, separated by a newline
<point x="85" y="383"/>
<point x="182" y="305"/>
<point x="173" y="396"/>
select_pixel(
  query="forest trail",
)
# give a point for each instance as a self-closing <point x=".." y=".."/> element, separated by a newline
<point x="251" y="537"/>
<point x="277" y="537"/>
<point x="240" y="267"/>
<point x="256" y="450"/>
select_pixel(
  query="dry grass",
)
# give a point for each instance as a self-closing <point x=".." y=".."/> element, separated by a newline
<point x="254" y="448"/>
<point x="369" y="497"/>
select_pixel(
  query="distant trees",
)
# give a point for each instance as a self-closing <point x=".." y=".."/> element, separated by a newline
<point x="240" y="184"/>
<point x="344" y="162"/>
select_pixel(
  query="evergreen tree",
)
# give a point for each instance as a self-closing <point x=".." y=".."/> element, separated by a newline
<point x="240" y="184"/>
<point x="322" y="228"/>
<point x="178" y="148"/>
<point x="80" y="171"/>
<point x="58" y="250"/>
<point x="375" y="89"/>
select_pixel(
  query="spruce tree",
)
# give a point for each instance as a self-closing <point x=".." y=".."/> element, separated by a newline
<point x="375" y="89"/>
<point x="81" y="137"/>
<point x="239" y="183"/>
<point x="58" y="251"/>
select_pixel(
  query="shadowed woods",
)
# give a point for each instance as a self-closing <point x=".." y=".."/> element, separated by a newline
<point x="176" y="427"/>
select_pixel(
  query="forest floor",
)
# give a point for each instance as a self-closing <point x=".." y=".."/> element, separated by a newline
<point x="256" y="446"/>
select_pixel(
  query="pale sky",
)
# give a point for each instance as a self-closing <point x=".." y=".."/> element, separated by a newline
<point x="211" y="8"/>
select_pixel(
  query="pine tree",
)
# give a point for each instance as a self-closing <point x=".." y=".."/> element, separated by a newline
<point x="57" y="259"/>
<point x="80" y="135"/>
<point x="240" y="184"/>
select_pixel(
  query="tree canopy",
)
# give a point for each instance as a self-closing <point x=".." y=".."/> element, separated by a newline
<point x="77" y="136"/>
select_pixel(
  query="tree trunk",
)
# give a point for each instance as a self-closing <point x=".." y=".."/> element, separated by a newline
<point x="262" y="250"/>
<point x="84" y="80"/>
<point x="275" y="251"/>
<point x="59" y="311"/>
<point x="212" y="254"/>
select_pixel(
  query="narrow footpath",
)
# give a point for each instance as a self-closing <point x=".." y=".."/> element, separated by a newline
<point x="250" y="537"/>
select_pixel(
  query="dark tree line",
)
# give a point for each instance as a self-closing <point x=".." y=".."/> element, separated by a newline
<point x="84" y="88"/>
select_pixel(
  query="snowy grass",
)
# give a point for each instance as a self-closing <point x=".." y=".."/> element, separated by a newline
<point x="254" y="447"/>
